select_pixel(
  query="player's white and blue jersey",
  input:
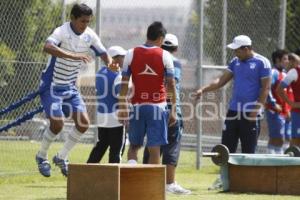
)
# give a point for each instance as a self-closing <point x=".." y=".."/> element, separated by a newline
<point x="62" y="71"/>
<point x="107" y="91"/>
<point x="59" y="95"/>
<point x="247" y="77"/>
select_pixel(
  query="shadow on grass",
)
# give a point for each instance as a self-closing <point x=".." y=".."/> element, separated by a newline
<point x="46" y="186"/>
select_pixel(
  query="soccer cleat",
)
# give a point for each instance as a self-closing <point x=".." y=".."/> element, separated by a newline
<point x="44" y="166"/>
<point x="177" y="189"/>
<point x="62" y="164"/>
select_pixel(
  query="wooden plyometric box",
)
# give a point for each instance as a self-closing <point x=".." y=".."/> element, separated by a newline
<point x="116" y="182"/>
<point x="264" y="179"/>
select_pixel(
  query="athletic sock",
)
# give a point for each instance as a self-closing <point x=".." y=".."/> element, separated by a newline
<point x="285" y="146"/>
<point x="72" y="139"/>
<point x="132" y="162"/>
<point x="271" y="149"/>
<point x="48" y="138"/>
<point x="278" y="150"/>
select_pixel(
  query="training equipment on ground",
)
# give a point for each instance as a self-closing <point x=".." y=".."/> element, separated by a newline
<point x="220" y="154"/>
<point x="116" y="182"/>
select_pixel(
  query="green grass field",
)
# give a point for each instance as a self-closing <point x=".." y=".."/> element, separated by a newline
<point x="20" y="180"/>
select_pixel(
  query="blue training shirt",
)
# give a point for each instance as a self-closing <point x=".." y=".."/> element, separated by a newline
<point x="247" y="77"/>
<point x="107" y="90"/>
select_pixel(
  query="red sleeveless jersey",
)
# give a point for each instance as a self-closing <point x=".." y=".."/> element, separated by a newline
<point x="296" y="89"/>
<point x="148" y="74"/>
<point x="285" y="107"/>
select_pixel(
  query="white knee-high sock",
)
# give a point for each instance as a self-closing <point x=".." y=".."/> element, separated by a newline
<point x="279" y="150"/>
<point x="48" y="138"/>
<point x="72" y="139"/>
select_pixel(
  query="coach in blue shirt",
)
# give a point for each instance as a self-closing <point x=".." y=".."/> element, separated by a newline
<point x="251" y="73"/>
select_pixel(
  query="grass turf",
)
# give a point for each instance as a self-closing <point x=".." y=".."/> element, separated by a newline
<point x="20" y="180"/>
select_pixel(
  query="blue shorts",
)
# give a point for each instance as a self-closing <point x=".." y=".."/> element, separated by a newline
<point x="151" y="120"/>
<point x="276" y="124"/>
<point x="59" y="101"/>
<point x="295" y="116"/>
<point x="288" y="129"/>
<point x="171" y="151"/>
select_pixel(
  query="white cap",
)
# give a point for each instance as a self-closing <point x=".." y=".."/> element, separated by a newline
<point x="116" y="51"/>
<point x="240" y="40"/>
<point x="170" y="40"/>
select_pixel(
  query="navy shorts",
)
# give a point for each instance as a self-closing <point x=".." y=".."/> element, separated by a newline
<point x="295" y="116"/>
<point x="59" y="101"/>
<point x="148" y="119"/>
<point x="170" y="152"/>
<point x="276" y="124"/>
<point x="238" y="127"/>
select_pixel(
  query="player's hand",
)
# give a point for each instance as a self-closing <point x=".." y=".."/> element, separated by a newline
<point x="277" y="108"/>
<point x="288" y="117"/>
<point x="198" y="94"/>
<point x="84" y="58"/>
<point x="172" y="118"/>
<point x="252" y="116"/>
<point x="114" y="67"/>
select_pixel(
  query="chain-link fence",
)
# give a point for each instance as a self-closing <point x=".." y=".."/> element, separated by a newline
<point x="25" y="26"/>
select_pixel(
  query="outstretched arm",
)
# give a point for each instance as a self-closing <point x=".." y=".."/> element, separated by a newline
<point x="123" y="107"/>
<point x="216" y="84"/>
<point x="107" y="60"/>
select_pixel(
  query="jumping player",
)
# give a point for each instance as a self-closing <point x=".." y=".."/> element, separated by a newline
<point x="68" y="47"/>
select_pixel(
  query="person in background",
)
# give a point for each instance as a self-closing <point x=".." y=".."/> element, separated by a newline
<point x="111" y="133"/>
<point x="170" y="152"/>
<point x="251" y="73"/>
<point x="292" y="79"/>
<point x="149" y="66"/>
<point x="277" y="110"/>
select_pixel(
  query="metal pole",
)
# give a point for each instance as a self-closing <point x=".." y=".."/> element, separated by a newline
<point x="224" y="59"/>
<point x="224" y="33"/>
<point x="199" y="79"/>
<point x="97" y="60"/>
<point x="282" y="24"/>
<point x="63" y="12"/>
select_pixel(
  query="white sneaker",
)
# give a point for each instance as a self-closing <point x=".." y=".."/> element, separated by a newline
<point x="217" y="185"/>
<point x="177" y="189"/>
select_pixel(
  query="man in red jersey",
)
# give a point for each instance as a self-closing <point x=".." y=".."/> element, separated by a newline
<point x="293" y="79"/>
<point x="149" y="66"/>
<point x="277" y="110"/>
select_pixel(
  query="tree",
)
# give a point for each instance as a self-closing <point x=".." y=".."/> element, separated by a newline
<point x="292" y="25"/>
<point x="25" y="26"/>
<point x="258" y="19"/>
